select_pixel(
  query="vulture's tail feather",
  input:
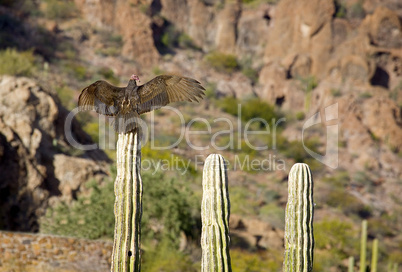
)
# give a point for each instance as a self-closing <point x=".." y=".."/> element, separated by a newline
<point x="126" y="123"/>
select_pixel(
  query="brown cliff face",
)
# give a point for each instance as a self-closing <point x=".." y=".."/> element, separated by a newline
<point x="301" y="28"/>
<point x="127" y="19"/>
<point x="33" y="166"/>
<point x="211" y="25"/>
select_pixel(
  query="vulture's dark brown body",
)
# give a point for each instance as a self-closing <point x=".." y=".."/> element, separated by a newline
<point x="127" y="103"/>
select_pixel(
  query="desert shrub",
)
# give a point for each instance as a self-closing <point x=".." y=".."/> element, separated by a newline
<point x="395" y="257"/>
<point x="241" y="203"/>
<point x="308" y="83"/>
<point x="77" y="70"/>
<point x="172" y="37"/>
<point x="340" y="179"/>
<point x="109" y="51"/>
<point x="56" y="9"/>
<point x="247" y="69"/>
<point x="338" y="236"/>
<point x="185" y="41"/>
<point x="165" y="258"/>
<point x="251" y="108"/>
<point x="356" y="10"/>
<point x="365" y="95"/>
<point x="92" y="128"/>
<point x="364" y="179"/>
<point x="382" y="226"/>
<point x="222" y="62"/>
<point x="340" y="9"/>
<point x="65" y="95"/>
<point x="300" y="115"/>
<point x="256" y="108"/>
<point x="157" y="71"/>
<point x="336" y="92"/>
<point x="229" y="104"/>
<point x="295" y="150"/>
<point x="327" y="261"/>
<point x="273" y="214"/>
<point x="17" y="63"/>
<point x="210" y="90"/>
<point x="156" y="156"/>
<point x="89" y="216"/>
<point x="167" y="204"/>
<point x="347" y="203"/>
<point x="112" y="43"/>
<point x="109" y="75"/>
<point x="247" y="261"/>
<point x="251" y="73"/>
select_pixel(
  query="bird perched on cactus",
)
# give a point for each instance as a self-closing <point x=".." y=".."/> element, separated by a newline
<point x="126" y="104"/>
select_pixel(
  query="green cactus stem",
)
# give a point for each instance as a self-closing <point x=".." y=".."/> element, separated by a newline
<point x="374" y="256"/>
<point x="299" y="238"/>
<point x="215" y="212"/>
<point x="351" y="264"/>
<point x="128" y="204"/>
<point x="363" y="247"/>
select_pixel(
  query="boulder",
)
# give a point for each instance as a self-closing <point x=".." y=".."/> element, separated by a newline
<point x="383" y="28"/>
<point x="34" y="154"/>
<point x="256" y="233"/>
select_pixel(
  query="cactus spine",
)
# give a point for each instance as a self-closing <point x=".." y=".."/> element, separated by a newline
<point x="363" y="246"/>
<point x="299" y="238"/>
<point x="215" y="212"/>
<point x="128" y="204"/>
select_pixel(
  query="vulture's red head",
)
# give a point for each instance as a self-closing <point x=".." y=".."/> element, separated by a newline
<point x="134" y="77"/>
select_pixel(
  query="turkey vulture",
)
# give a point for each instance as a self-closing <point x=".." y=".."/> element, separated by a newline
<point x="125" y="104"/>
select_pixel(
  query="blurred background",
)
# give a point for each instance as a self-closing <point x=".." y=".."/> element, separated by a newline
<point x="275" y="58"/>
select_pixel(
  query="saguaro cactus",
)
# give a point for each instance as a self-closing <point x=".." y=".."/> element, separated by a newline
<point x="215" y="212"/>
<point x="128" y="204"/>
<point x="299" y="239"/>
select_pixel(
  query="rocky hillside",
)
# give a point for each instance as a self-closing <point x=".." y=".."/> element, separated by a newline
<point x="351" y="53"/>
<point x="299" y="56"/>
<point x="37" y="163"/>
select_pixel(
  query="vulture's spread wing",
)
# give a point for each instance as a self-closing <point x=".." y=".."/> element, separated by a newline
<point x="101" y="97"/>
<point x="165" y="89"/>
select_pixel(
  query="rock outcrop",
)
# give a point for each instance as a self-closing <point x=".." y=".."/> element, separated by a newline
<point x="256" y="233"/>
<point x="129" y="21"/>
<point x="35" y="163"/>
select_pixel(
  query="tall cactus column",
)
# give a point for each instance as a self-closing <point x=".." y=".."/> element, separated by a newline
<point x="299" y="239"/>
<point x="128" y="204"/>
<point x="215" y="212"/>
